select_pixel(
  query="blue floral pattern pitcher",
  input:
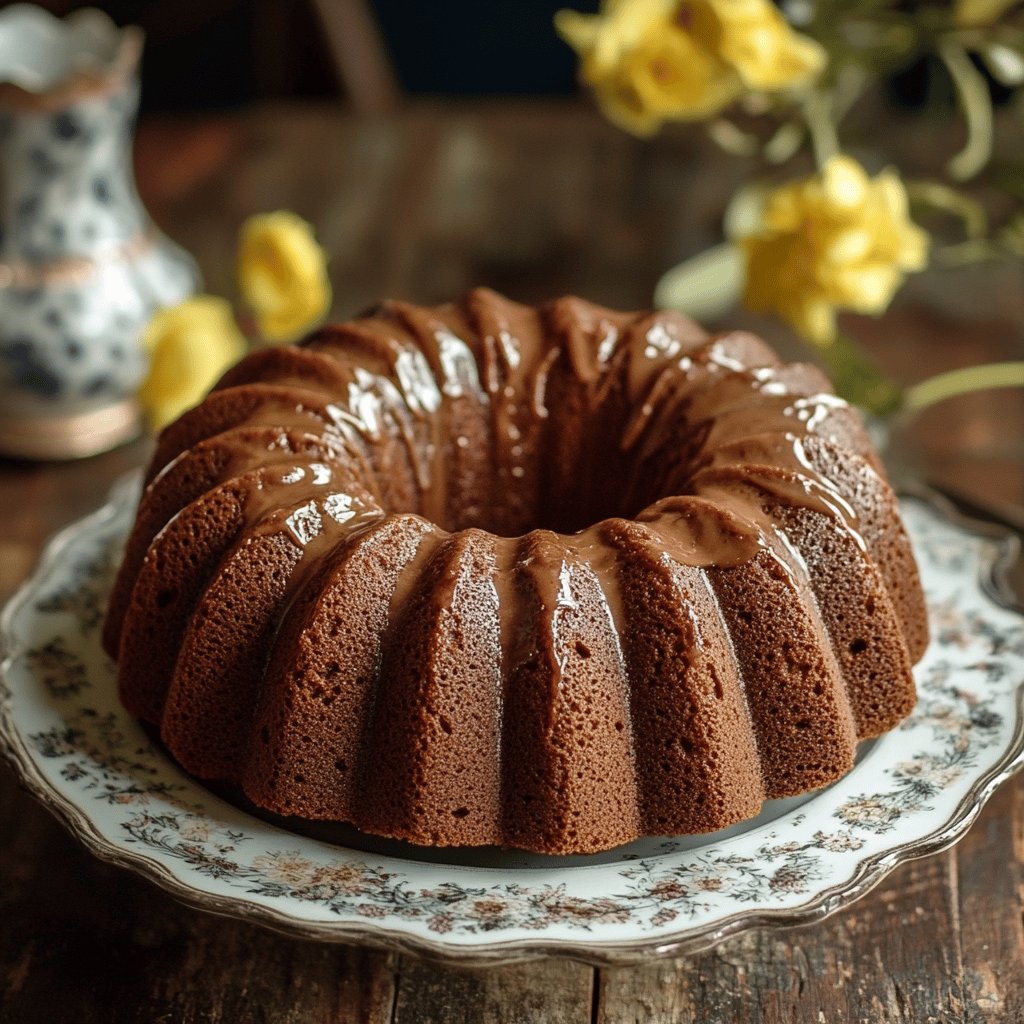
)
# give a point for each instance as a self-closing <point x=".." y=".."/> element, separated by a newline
<point x="82" y="267"/>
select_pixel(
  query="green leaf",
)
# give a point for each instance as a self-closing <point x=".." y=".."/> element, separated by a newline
<point x="705" y="286"/>
<point x="963" y="381"/>
<point x="1005" y="63"/>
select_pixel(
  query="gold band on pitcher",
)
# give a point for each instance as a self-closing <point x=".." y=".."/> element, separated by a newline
<point x="72" y="436"/>
<point x="22" y="275"/>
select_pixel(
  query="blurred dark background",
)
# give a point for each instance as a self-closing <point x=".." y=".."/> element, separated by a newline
<point x="210" y="54"/>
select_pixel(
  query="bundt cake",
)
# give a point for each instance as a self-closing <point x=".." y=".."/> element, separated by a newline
<point x="552" y="578"/>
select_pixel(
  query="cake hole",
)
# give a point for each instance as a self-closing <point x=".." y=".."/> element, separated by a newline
<point x="460" y="812"/>
<point x="582" y="649"/>
<point x="165" y="597"/>
<point x="574" y="479"/>
<point x="858" y="646"/>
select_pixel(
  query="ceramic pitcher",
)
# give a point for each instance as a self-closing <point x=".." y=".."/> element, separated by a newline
<point x="82" y="267"/>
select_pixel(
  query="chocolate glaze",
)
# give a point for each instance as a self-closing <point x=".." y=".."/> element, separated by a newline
<point x="650" y="380"/>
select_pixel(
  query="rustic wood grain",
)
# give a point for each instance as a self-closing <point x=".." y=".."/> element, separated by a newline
<point x="883" y="960"/>
<point x="990" y="867"/>
<point x="535" y="199"/>
<point x="87" y="943"/>
<point x="554" y="990"/>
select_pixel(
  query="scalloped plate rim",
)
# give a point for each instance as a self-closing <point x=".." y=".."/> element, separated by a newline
<point x="869" y="871"/>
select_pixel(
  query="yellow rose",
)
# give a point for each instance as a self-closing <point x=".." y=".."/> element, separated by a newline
<point x="766" y="53"/>
<point x="836" y="240"/>
<point x="282" y="274"/>
<point x="979" y="13"/>
<point x="661" y="77"/>
<point x="189" y="345"/>
<point x="651" y="61"/>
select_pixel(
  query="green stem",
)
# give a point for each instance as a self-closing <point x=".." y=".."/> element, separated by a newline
<point x="817" y="112"/>
<point x="944" y="199"/>
<point x="960" y="382"/>
<point x="858" y="379"/>
<point x="974" y="250"/>
<point x="732" y="139"/>
<point x="977" y="107"/>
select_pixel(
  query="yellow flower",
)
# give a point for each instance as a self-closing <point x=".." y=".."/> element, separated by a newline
<point x="836" y="240"/>
<point x="979" y="13"/>
<point x="651" y="61"/>
<point x="767" y="54"/>
<point x="282" y="274"/>
<point x="190" y="345"/>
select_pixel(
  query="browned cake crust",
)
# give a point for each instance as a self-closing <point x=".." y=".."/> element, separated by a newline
<point x="552" y="578"/>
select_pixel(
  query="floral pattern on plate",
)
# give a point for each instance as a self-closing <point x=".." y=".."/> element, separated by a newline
<point x="913" y="791"/>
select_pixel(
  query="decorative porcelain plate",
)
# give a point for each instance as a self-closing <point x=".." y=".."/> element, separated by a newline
<point x="914" y="791"/>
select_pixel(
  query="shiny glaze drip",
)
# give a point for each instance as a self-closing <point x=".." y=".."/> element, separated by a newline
<point x="515" y="364"/>
<point x="700" y="532"/>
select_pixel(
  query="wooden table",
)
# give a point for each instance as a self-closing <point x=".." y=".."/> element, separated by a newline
<point x="534" y="200"/>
